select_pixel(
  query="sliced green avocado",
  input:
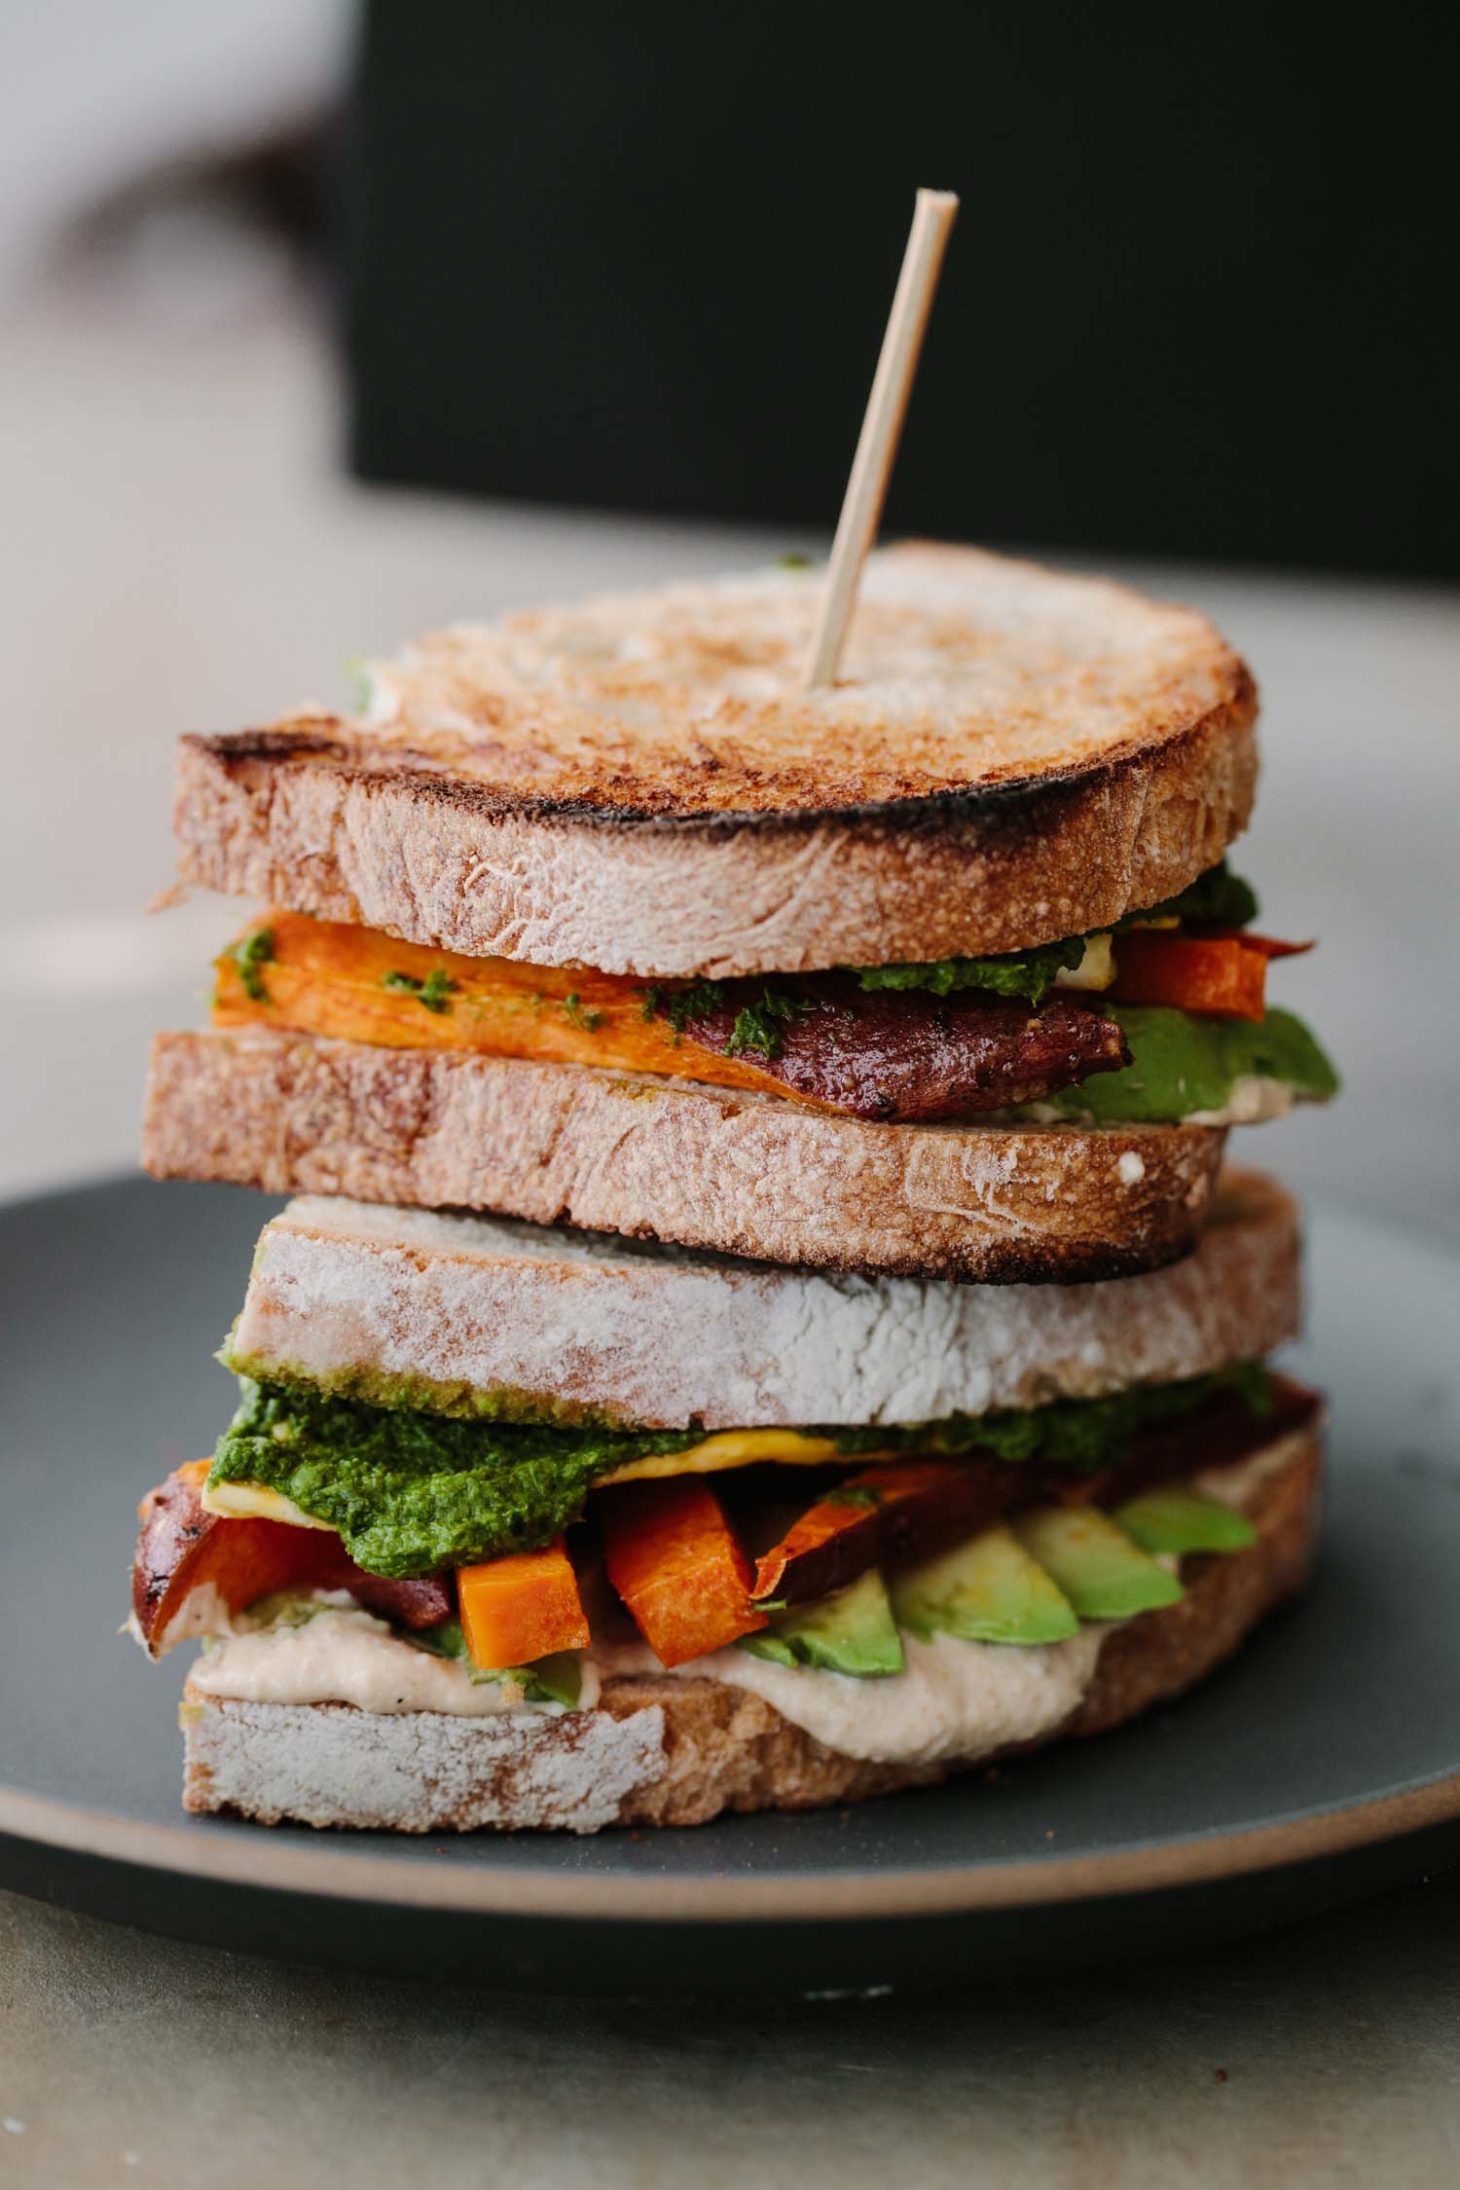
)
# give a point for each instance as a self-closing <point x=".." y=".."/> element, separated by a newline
<point x="1176" y="1520"/>
<point x="1104" y="1575"/>
<point x="851" y="1631"/>
<point x="1183" y="1062"/>
<point x="985" y="1590"/>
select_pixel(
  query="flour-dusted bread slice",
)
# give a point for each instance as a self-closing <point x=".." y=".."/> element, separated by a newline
<point x="742" y="1173"/>
<point x="643" y="783"/>
<point x="671" y="1751"/>
<point x="466" y="1311"/>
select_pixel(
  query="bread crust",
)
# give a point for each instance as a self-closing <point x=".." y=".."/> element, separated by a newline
<point x="370" y="1302"/>
<point x="301" y="816"/>
<point x="692" y="1749"/>
<point x="746" y="1174"/>
<point x="1012" y="756"/>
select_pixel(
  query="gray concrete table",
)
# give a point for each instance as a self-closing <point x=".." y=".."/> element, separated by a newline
<point x="179" y="552"/>
<point x="1320" y="2057"/>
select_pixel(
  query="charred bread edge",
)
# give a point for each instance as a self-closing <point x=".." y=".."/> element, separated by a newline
<point x="1063" y="856"/>
<point x="344" y="750"/>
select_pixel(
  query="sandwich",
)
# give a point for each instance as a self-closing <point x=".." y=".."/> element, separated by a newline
<point x="596" y="917"/>
<point x="761" y="1320"/>
<point x="518" y="1528"/>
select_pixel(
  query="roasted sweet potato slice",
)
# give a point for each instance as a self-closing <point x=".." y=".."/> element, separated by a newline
<point x="336" y="978"/>
<point x="675" y="1561"/>
<point x="1223" y="976"/>
<point x="523" y="1607"/>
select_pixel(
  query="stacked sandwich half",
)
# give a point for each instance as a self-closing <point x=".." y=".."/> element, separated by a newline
<point x="762" y="1323"/>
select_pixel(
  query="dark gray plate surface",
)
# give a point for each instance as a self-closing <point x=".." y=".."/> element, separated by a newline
<point x="1325" y="1762"/>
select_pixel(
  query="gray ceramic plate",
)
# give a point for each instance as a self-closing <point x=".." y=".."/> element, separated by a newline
<point x="1324" y="1763"/>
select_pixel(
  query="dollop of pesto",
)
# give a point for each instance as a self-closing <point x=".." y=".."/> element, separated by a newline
<point x="411" y="1493"/>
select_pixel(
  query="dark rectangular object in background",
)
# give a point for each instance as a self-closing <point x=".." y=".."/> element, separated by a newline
<point x="641" y="257"/>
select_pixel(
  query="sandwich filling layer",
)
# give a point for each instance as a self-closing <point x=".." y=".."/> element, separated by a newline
<point x="1162" y="1020"/>
<point x="951" y="1697"/>
<point x="409" y="1493"/>
<point x="921" y="1592"/>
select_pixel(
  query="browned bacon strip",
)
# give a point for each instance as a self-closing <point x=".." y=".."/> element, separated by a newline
<point x="181" y="1547"/>
<point x="911" y="1056"/>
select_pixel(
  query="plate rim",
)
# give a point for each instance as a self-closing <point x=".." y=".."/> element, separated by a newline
<point x="362" y="1877"/>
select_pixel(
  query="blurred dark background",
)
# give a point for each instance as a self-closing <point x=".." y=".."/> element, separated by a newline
<point x="1198" y="302"/>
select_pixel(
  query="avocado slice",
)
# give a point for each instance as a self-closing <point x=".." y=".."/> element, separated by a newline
<point x="851" y="1631"/>
<point x="1174" y="1519"/>
<point x="1182" y="1061"/>
<point x="1104" y="1575"/>
<point x="985" y="1590"/>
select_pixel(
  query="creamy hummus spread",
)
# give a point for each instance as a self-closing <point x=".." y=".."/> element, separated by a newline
<point x="346" y="1655"/>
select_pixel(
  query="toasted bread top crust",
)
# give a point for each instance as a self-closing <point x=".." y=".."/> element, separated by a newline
<point x="965" y="674"/>
<point x="642" y="785"/>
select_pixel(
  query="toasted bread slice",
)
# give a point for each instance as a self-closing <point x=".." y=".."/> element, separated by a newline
<point x="644" y="785"/>
<point x="467" y="1313"/>
<point x="665" y="1750"/>
<point x="738" y="1172"/>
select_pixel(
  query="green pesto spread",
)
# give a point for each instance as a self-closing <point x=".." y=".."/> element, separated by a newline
<point x="1088" y="1434"/>
<point x="411" y="1492"/>
<point x="378" y="1387"/>
<point x="759" y="1025"/>
<point x="1030" y="973"/>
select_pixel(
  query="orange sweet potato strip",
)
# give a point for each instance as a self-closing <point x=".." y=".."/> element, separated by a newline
<point x="330" y="978"/>
<point x="522" y="1607"/>
<point x="1224" y="976"/>
<point x="674" y="1559"/>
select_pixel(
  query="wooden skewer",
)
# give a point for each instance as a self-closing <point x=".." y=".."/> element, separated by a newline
<point x="933" y="217"/>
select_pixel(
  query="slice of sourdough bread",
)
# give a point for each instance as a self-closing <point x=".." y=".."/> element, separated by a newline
<point x="466" y="1313"/>
<point x="660" y="1750"/>
<point x="742" y="1173"/>
<point x="644" y="784"/>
